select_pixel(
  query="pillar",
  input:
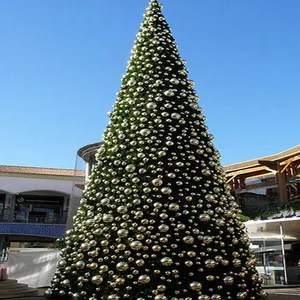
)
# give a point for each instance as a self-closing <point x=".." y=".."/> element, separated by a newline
<point x="12" y="208"/>
<point x="282" y="187"/>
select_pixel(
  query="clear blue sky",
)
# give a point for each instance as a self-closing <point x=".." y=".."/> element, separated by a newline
<point x="61" y="63"/>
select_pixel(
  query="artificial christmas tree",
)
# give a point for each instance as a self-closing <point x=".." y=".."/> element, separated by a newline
<point x="157" y="220"/>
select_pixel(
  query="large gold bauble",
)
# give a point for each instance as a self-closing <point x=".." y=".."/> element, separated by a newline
<point x="204" y="217"/>
<point x="166" y="261"/>
<point x="220" y="222"/>
<point x="237" y="262"/>
<point x="157" y="182"/>
<point x="191" y="253"/>
<point x="48" y="293"/>
<point x="166" y="190"/>
<point x="97" y="279"/>
<point x="216" y="297"/>
<point x="130" y="168"/>
<point x="241" y="295"/>
<point x="188" y="239"/>
<point x="207" y="239"/>
<point x="225" y="262"/>
<point x="113" y="297"/>
<point x="174" y="207"/>
<point x="145" y="132"/>
<point x="196" y="286"/>
<point x="210" y="278"/>
<point x="80" y="264"/>
<point x="140" y="262"/>
<point x="107" y="218"/>
<point x="122" y="266"/>
<point x="120" y="281"/>
<point x="84" y="246"/>
<point x="163" y="228"/>
<point x="156" y="248"/>
<point x="143" y="279"/>
<point x="263" y="294"/>
<point x="122" y="233"/>
<point x="122" y="209"/>
<point x="210" y="263"/>
<point x="160" y="297"/>
<point x="229" y="280"/>
<point x="219" y="258"/>
<point x="161" y="288"/>
<point x="136" y="245"/>
<point x="93" y="266"/>
<point x="203" y="297"/>
<point x="75" y="296"/>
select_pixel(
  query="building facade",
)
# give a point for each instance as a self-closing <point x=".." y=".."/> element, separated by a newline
<point x="268" y="190"/>
<point x="34" y="204"/>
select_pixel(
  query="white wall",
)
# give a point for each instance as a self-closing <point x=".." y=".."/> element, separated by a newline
<point x="17" y="185"/>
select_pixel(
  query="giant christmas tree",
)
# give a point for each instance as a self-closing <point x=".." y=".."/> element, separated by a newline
<point x="157" y="220"/>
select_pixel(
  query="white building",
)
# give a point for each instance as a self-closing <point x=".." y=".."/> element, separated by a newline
<point x="34" y="204"/>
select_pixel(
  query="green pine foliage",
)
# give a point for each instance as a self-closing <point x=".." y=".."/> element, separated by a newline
<point x="157" y="220"/>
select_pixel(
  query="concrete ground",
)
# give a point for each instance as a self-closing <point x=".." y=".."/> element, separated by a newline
<point x="284" y="294"/>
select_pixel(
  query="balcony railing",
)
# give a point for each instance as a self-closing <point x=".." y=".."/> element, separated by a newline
<point x="36" y="220"/>
<point x="37" y="229"/>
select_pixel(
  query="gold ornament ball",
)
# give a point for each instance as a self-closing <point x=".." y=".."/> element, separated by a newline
<point x="122" y="232"/>
<point x="204" y="217"/>
<point x="48" y="293"/>
<point x="219" y="258"/>
<point x="241" y="295"/>
<point x="130" y="168"/>
<point x="210" y="278"/>
<point x="107" y="218"/>
<point x="188" y="239"/>
<point x="136" y="245"/>
<point x="122" y="209"/>
<point x="191" y="253"/>
<point x="122" y="266"/>
<point x="210" y="263"/>
<point x="166" y="261"/>
<point x="216" y="297"/>
<point x="263" y="294"/>
<point x="163" y="228"/>
<point x="174" y="207"/>
<point x="80" y="264"/>
<point x="229" y="280"/>
<point x="160" y="297"/>
<point x="225" y="262"/>
<point x="140" y="262"/>
<point x="196" y="286"/>
<point x="75" y="296"/>
<point x="143" y="279"/>
<point x="237" y="262"/>
<point x="97" y="279"/>
<point x="166" y="190"/>
<point x="113" y="297"/>
<point x="161" y="288"/>
<point x="203" y="297"/>
<point x="207" y="239"/>
<point x="157" y="182"/>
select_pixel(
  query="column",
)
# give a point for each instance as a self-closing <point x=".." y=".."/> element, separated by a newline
<point x="12" y="208"/>
<point x="282" y="188"/>
<point x="88" y="169"/>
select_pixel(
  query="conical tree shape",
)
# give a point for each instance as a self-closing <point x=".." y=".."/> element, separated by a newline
<point x="157" y="220"/>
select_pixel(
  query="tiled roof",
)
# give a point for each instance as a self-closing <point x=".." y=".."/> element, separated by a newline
<point x="40" y="171"/>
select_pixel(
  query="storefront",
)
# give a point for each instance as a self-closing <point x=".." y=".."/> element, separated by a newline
<point x="276" y="245"/>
